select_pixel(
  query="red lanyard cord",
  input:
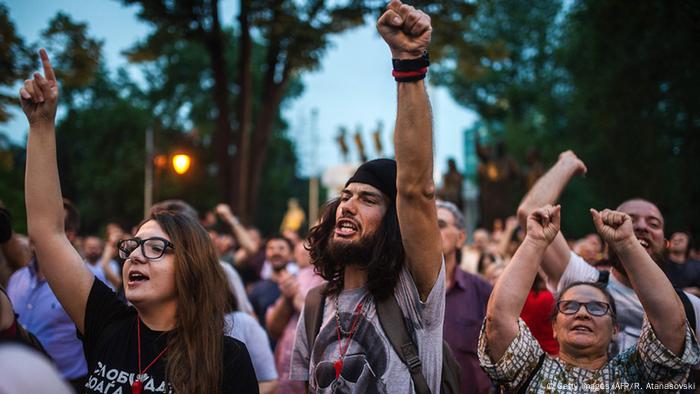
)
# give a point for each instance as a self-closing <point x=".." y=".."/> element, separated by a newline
<point x="138" y="337"/>
<point x="338" y="364"/>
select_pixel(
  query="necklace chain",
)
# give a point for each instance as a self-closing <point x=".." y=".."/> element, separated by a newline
<point x="359" y="312"/>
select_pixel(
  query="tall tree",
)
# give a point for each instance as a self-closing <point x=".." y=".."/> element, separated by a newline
<point x="634" y="112"/>
<point x="101" y="153"/>
<point x="196" y="21"/>
<point x="612" y="80"/>
<point x="176" y="92"/>
<point x="295" y="35"/>
<point x="75" y="54"/>
<point x="12" y="160"/>
<point x="15" y="62"/>
<point x="504" y="66"/>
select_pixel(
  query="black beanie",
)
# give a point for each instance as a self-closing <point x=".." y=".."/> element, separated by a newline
<point x="380" y="173"/>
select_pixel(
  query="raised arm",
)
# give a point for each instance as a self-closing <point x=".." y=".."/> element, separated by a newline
<point x="245" y="241"/>
<point x="63" y="267"/>
<point x="661" y="304"/>
<point x="512" y="288"/>
<point x="407" y="32"/>
<point x="507" y="236"/>
<point x="108" y="254"/>
<point x="545" y="191"/>
<point x="278" y="315"/>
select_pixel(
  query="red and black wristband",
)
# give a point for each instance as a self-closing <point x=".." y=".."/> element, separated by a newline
<point x="410" y="70"/>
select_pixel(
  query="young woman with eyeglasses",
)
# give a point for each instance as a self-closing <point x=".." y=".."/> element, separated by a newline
<point x="172" y="339"/>
<point x="584" y="322"/>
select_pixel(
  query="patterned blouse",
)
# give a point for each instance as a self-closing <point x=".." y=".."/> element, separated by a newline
<point x="647" y="367"/>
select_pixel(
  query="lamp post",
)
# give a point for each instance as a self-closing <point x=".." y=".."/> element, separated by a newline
<point x="313" y="179"/>
<point x="181" y="163"/>
<point x="148" y="174"/>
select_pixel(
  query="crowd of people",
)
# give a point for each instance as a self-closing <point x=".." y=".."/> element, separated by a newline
<point x="387" y="293"/>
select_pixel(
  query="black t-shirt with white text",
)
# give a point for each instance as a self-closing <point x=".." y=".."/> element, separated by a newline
<point x="111" y="349"/>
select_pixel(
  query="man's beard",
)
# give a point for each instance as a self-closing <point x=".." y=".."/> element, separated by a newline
<point x="358" y="253"/>
<point x="617" y="264"/>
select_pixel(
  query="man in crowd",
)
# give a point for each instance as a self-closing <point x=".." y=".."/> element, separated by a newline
<point x="278" y="254"/>
<point x="562" y="266"/>
<point x="682" y="271"/>
<point x="281" y="318"/>
<point x="466" y="300"/>
<point x="471" y="255"/>
<point x="41" y="314"/>
<point x="93" y="248"/>
<point x="379" y="240"/>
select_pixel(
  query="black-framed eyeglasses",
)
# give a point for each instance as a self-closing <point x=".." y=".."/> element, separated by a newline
<point x="595" y="308"/>
<point x="151" y="248"/>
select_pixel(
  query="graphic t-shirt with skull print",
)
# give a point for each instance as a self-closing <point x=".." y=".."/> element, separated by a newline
<point x="370" y="364"/>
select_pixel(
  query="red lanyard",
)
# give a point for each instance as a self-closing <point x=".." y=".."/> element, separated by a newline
<point x="338" y="364"/>
<point x="138" y="382"/>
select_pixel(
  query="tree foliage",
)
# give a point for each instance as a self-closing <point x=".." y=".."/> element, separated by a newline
<point x="290" y="37"/>
<point x="504" y="66"/>
<point x="634" y="112"/>
<point x="75" y="55"/>
<point x="15" y="62"/>
<point x="196" y="22"/>
<point x="614" y="81"/>
<point x="100" y="135"/>
<point x="101" y="154"/>
<point x="295" y="34"/>
<point x="12" y="160"/>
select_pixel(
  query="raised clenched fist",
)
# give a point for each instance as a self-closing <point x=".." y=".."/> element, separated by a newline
<point x="543" y="223"/>
<point x="613" y="226"/>
<point x="569" y="158"/>
<point x="405" y="29"/>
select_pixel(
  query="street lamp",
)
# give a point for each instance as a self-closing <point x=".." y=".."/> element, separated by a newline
<point x="181" y="163"/>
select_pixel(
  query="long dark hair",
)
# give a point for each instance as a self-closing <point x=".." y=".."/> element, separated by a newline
<point x="387" y="254"/>
<point x="195" y="346"/>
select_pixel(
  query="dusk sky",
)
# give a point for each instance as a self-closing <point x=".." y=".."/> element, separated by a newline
<point x="352" y="88"/>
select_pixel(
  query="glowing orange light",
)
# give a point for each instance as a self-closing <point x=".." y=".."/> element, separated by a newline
<point x="160" y="161"/>
<point x="181" y="163"/>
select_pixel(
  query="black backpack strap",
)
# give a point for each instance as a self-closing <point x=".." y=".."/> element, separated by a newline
<point x="394" y="326"/>
<point x="313" y="314"/>
<point x="603" y="277"/>
<point x="688" y="307"/>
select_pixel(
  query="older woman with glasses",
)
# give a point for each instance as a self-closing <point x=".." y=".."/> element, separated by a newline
<point x="171" y="339"/>
<point x="584" y="322"/>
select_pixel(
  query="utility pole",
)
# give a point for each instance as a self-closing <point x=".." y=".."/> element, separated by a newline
<point x="148" y="174"/>
<point x="313" y="178"/>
